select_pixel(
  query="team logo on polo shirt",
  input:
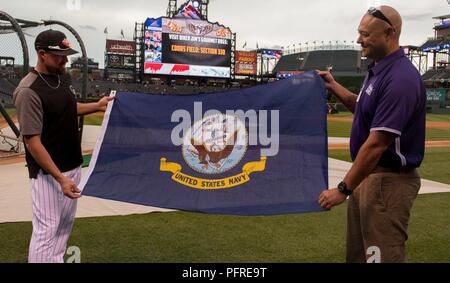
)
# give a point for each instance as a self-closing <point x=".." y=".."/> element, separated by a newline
<point x="369" y="89"/>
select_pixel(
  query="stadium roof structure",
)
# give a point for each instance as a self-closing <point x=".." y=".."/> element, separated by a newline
<point x="436" y="44"/>
<point x="442" y="17"/>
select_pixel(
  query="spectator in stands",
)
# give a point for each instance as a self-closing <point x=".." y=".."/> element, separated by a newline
<point x="47" y="112"/>
<point x="387" y="144"/>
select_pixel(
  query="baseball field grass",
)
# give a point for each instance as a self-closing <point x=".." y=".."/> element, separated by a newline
<point x="435" y="165"/>
<point x="430" y="117"/>
<point x="193" y="237"/>
<point x="342" y="130"/>
<point x="181" y="237"/>
<point x="93" y="120"/>
<point x="184" y="237"/>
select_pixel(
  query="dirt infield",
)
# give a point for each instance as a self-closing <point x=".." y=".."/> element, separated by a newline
<point x="340" y="119"/>
<point x="438" y="125"/>
<point x="430" y="125"/>
<point x="4" y="124"/>
<point x="11" y="160"/>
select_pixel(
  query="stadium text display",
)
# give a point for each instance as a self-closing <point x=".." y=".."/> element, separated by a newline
<point x="187" y="47"/>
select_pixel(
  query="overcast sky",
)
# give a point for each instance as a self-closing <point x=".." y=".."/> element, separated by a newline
<point x="266" y="22"/>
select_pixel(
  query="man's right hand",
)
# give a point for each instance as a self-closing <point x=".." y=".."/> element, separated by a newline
<point x="344" y="95"/>
<point x="69" y="188"/>
<point x="328" y="78"/>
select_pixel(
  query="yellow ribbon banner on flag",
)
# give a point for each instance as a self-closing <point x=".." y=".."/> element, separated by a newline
<point x="212" y="184"/>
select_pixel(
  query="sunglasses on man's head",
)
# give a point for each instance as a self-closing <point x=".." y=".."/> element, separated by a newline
<point x="378" y="14"/>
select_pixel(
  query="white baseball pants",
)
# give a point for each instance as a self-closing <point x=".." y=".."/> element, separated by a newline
<point x="53" y="217"/>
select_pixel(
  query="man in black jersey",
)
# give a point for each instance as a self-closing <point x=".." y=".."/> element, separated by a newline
<point x="47" y="112"/>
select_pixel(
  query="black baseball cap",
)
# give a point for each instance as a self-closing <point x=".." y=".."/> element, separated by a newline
<point x="55" y="42"/>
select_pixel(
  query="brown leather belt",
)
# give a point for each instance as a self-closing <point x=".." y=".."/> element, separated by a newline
<point x="402" y="170"/>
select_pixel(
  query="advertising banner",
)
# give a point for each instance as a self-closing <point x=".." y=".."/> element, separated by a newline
<point x="245" y="63"/>
<point x="120" y="47"/>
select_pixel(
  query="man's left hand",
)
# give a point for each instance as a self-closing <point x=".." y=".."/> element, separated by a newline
<point x="330" y="198"/>
<point x="103" y="103"/>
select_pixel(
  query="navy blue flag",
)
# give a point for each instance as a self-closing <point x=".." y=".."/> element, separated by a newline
<point x="254" y="151"/>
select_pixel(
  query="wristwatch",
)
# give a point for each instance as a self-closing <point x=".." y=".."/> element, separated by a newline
<point x="342" y="187"/>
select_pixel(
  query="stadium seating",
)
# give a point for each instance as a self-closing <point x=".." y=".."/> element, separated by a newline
<point x="342" y="62"/>
<point x="292" y="62"/>
<point x="6" y="90"/>
<point x="436" y="75"/>
<point x="100" y="88"/>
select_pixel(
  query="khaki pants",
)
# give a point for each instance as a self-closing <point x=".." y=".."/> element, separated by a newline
<point x="378" y="216"/>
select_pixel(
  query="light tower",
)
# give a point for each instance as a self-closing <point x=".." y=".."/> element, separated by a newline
<point x="172" y="8"/>
<point x="204" y="8"/>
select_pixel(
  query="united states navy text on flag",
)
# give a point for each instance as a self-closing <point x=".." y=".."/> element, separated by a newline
<point x="255" y="151"/>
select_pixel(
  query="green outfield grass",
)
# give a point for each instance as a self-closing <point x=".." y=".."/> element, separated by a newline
<point x="192" y="237"/>
<point x="340" y="154"/>
<point x="437" y="134"/>
<point x="343" y="130"/>
<point x="430" y="117"/>
<point x="438" y="118"/>
<point x="435" y="165"/>
<point x="11" y="111"/>
<point x="93" y="120"/>
<point x="339" y="129"/>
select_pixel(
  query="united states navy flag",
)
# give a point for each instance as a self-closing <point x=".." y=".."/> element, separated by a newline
<point x="255" y="151"/>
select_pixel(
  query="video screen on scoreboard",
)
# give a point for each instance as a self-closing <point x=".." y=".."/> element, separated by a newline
<point x="186" y="47"/>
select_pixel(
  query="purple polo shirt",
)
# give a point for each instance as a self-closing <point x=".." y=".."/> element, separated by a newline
<point x="392" y="99"/>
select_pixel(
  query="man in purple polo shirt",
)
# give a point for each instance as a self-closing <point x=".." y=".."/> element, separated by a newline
<point x="387" y="143"/>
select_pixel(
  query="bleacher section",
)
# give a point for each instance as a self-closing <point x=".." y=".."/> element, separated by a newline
<point x="6" y="85"/>
<point x="318" y="60"/>
<point x="342" y="62"/>
<point x="100" y="88"/>
<point x="345" y="60"/>
<point x="291" y="62"/>
<point x="6" y="90"/>
<point x="436" y="75"/>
